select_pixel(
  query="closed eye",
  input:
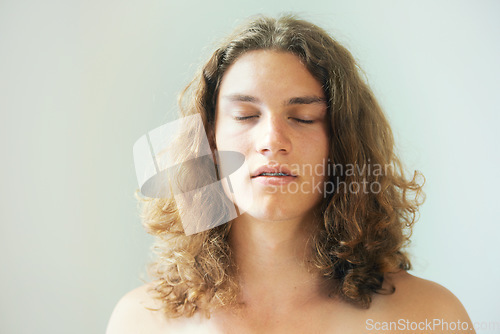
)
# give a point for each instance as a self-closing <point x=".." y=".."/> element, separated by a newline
<point x="243" y="118"/>
<point x="304" y="121"/>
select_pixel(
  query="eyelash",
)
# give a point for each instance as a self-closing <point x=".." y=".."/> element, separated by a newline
<point x="238" y="118"/>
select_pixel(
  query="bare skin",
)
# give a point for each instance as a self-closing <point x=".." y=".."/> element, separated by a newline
<point x="415" y="301"/>
<point x="279" y="293"/>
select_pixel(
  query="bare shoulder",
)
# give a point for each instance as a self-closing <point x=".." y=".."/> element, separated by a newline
<point x="422" y="301"/>
<point x="428" y="295"/>
<point x="137" y="312"/>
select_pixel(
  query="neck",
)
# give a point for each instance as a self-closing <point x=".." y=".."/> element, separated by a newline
<point x="271" y="258"/>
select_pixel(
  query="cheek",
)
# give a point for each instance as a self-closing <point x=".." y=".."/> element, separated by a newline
<point x="228" y="140"/>
<point x="314" y="144"/>
<point x="323" y="143"/>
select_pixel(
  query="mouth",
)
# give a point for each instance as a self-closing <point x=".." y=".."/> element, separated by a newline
<point x="273" y="176"/>
<point x="273" y="172"/>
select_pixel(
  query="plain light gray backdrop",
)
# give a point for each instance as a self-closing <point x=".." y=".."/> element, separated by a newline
<point x="81" y="81"/>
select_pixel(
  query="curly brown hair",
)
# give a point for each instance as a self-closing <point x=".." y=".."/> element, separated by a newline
<point x="363" y="233"/>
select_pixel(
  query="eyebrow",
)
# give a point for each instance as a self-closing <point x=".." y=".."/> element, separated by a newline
<point x="310" y="99"/>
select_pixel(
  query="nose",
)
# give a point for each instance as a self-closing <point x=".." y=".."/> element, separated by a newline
<point x="272" y="136"/>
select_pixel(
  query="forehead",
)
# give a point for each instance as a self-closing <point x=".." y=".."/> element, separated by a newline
<point x="270" y="73"/>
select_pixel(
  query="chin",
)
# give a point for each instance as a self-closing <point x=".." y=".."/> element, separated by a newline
<point x="266" y="204"/>
<point x="272" y="209"/>
<point x="266" y="216"/>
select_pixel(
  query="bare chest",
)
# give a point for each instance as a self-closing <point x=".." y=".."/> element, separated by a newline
<point x="304" y="321"/>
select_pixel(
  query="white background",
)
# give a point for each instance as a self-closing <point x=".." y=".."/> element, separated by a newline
<point x="81" y="81"/>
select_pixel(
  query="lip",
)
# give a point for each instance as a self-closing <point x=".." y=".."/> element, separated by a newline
<point x="273" y="180"/>
<point x="273" y="169"/>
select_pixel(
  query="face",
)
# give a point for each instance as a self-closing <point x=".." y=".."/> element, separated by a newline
<point x="273" y="111"/>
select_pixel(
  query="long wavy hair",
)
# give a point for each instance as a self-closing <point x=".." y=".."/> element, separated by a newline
<point x="362" y="234"/>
